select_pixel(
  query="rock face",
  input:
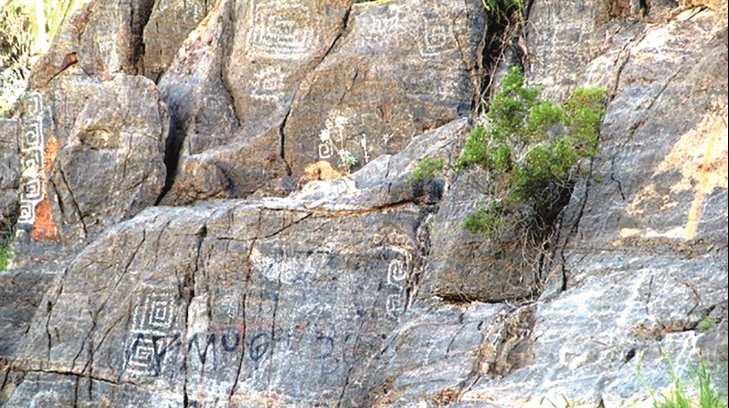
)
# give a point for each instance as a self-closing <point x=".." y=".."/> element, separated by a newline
<point x="302" y="82"/>
<point x="360" y="287"/>
<point x="162" y="37"/>
<point x="118" y="141"/>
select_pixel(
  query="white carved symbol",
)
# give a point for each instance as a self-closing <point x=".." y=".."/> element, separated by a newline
<point x="326" y="150"/>
<point x="363" y="143"/>
<point x="141" y="354"/>
<point x="381" y="31"/>
<point x="31" y="160"/>
<point x="394" y="306"/>
<point x="156" y="314"/>
<point x="397" y="273"/>
<point x="269" y="84"/>
<point x="435" y="40"/>
<point x="334" y="132"/>
<point x="32" y="191"/>
<point x="277" y="35"/>
<point x="27" y="213"/>
<point x="30" y="165"/>
<point x="32" y="137"/>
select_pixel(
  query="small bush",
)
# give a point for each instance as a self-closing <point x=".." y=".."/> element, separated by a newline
<point x="427" y="169"/>
<point x="347" y="160"/>
<point x="531" y="147"/>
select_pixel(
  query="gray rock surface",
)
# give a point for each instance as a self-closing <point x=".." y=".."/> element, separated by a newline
<point x="9" y="172"/>
<point x="360" y="289"/>
<point x="118" y="144"/>
<point x="169" y="24"/>
<point x="298" y="83"/>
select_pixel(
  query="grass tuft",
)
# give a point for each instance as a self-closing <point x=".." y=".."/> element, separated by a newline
<point x="426" y="170"/>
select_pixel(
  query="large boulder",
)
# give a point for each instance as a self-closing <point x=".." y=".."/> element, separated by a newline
<point x="259" y="87"/>
<point x="398" y="70"/>
<point x="640" y="270"/>
<point x="118" y="144"/>
<point x="91" y="158"/>
<point x="237" y="303"/>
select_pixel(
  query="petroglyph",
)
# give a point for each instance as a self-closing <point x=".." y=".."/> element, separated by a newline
<point x="397" y="273"/>
<point x="379" y="31"/>
<point x="342" y="139"/>
<point x="31" y="151"/>
<point x="277" y="35"/>
<point x="152" y="320"/>
<point x="269" y="84"/>
<point x="436" y="37"/>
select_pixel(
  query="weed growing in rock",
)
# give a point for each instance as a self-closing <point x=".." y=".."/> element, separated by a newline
<point x="706" y="395"/>
<point x="501" y="10"/>
<point x="6" y="253"/>
<point x="427" y="169"/>
<point x="530" y="149"/>
<point x="347" y="159"/>
<point x="706" y="324"/>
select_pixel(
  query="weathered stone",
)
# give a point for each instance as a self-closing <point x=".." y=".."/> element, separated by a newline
<point x="362" y="289"/>
<point x="256" y="109"/>
<point x="21" y="293"/>
<point x="9" y="173"/>
<point x="226" y="292"/>
<point x="398" y="70"/>
<point x="464" y="266"/>
<point x="117" y="144"/>
<point x="169" y="25"/>
<point x="223" y="294"/>
<point x="89" y="160"/>
<point x="230" y="89"/>
<point x="644" y="246"/>
<point x="104" y="37"/>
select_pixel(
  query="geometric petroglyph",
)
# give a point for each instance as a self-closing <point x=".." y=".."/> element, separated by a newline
<point x="269" y="84"/>
<point x="380" y="32"/>
<point x="277" y="35"/>
<point x="397" y="274"/>
<point x="31" y="156"/>
<point x="155" y="315"/>
<point x="152" y="320"/>
<point x="141" y="355"/>
<point x="436" y="37"/>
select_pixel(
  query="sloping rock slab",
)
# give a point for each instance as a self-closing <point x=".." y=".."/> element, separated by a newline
<point x="262" y="91"/>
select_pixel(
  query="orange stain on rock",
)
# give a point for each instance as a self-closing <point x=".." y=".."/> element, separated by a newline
<point x="44" y="229"/>
<point x="702" y="160"/>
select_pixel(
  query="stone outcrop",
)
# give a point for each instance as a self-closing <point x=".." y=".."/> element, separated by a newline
<point x="298" y="83"/>
<point x="281" y="255"/>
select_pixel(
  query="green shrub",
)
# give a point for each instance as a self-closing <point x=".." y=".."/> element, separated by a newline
<point x="487" y="220"/>
<point x="531" y="147"/>
<point x="427" y="169"/>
